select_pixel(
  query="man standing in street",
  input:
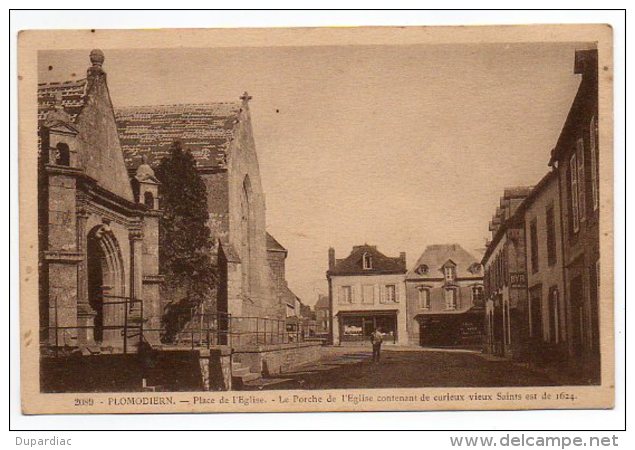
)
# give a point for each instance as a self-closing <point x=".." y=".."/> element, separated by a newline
<point x="376" y="338"/>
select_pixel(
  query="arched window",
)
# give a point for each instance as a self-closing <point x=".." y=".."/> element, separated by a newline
<point x="367" y="261"/>
<point x="63" y="155"/>
<point x="148" y="199"/>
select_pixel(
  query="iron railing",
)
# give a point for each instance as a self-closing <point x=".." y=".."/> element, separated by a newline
<point x="132" y="319"/>
<point x="201" y="330"/>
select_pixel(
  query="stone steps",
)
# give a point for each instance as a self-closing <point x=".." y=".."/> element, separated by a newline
<point x="242" y="374"/>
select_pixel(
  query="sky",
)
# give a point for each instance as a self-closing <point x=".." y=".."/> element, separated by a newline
<point x="395" y="146"/>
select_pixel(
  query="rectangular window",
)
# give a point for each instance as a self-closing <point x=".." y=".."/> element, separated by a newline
<point x="533" y="233"/>
<point x="554" y="315"/>
<point x="573" y="191"/>
<point x="477" y="296"/>
<point x="346" y="294"/>
<point x="424" y="298"/>
<point x="535" y="314"/>
<point x="368" y="294"/>
<point x="450" y="299"/>
<point x="551" y="236"/>
<point x="581" y="180"/>
<point x="593" y="153"/>
<point x="391" y="294"/>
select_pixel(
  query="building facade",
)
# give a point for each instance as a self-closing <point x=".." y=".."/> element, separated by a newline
<point x="277" y="255"/>
<point x="444" y="296"/>
<point x="367" y="292"/>
<point x="505" y="279"/>
<point x="545" y="274"/>
<point x="576" y="160"/>
<point x="322" y="315"/>
<point x="98" y="228"/>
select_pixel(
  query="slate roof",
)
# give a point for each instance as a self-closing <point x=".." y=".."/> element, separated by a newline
<point x="72" y="95"/>
<point x="289" y="296"/>
<point x="435" y="257"/>
<point x="205" y="129"/>
<point x="273" y="245"/>
<point x="382" y="264"/>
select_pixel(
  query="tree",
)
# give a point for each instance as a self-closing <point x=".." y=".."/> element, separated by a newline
<point x="185" y="241"/>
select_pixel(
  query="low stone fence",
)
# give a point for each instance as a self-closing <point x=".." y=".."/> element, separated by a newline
<point x="280" y="358"/>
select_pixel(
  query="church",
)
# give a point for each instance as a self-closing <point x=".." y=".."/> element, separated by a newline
<point x="99" y="212"/>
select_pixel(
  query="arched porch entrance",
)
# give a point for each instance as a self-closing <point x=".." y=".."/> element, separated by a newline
<point x="106" y="285"/>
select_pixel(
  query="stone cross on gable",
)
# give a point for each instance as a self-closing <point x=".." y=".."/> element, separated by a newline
<point x="245" y="97"/>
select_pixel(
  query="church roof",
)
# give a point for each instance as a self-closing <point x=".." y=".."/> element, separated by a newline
<point x="205" y="129"/>
<point x="430" y="263"/>
<point x="381" y="264"/>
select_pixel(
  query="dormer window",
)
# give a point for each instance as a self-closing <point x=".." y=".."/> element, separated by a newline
<point x="422" y="269"/>
<point x="367" y="261"/>
<point x="475" y="268"/>
<point x="449" y="273"/>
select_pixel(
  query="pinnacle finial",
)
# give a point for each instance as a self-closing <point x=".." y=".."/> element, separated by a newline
<point x="245" y="97"/>
<point x="97" y="57"/>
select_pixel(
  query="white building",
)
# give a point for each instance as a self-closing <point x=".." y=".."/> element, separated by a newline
<point x="367" y="292"/>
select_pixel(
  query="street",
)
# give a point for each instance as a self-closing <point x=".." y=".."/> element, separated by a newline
<point x="343" y="367"/>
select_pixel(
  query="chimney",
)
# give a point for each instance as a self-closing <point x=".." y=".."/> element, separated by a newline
<point x="331" y="258"/>
<point x="402" y="257"/>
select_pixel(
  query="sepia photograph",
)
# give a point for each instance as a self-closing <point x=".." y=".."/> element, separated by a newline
<point x="354" y="219"/>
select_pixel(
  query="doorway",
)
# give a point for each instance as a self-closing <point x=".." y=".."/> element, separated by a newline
<point x="106" y="287"/>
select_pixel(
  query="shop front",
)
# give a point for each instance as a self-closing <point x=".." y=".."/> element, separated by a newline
<point x="357" y="326"/>
<point x="464" y="330"/>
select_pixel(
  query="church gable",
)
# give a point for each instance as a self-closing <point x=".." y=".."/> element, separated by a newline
<point x="87" y="103"/>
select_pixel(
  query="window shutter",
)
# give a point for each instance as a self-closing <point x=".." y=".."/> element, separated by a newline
<point x="340" y="295"/>
<point x="354" y="293"/>
<point x="594" y="162"/>
<point x="573" y="174"/>
<point x="581" y="180"/>
<point x="382" y="294"/>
